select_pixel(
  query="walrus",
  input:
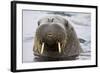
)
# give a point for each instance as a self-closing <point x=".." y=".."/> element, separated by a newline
<point x="56" y="38"/>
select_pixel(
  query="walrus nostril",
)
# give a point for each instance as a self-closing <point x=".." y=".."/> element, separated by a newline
<point x="49" y="35"/>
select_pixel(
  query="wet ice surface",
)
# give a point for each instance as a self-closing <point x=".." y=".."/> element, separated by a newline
<point x="80" y="21"/>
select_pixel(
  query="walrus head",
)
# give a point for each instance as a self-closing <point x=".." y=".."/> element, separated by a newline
<point x="51" y="37"/>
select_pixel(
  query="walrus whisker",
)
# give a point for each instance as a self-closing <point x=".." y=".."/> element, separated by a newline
<point x="59" y="47"/>
<point x="42" y="49"/>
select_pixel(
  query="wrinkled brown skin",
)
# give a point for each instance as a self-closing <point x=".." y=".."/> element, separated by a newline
<point x="70" y="45"/>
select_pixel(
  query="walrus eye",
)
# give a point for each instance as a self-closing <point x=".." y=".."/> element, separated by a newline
<point x="38" y="23"/>
<point x="66" y="25"/>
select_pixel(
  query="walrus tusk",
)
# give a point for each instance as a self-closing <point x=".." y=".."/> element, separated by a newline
<point x="59" y="47"/>
<point x="42" y="49"/>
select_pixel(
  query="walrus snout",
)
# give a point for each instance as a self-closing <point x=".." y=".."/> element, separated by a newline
<point x="51" y="34"/>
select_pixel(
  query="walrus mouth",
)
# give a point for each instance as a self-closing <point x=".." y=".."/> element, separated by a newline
<point x="42" y="48"/>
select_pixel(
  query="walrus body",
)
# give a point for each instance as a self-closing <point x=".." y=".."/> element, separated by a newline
<point x="56" y="38"/>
